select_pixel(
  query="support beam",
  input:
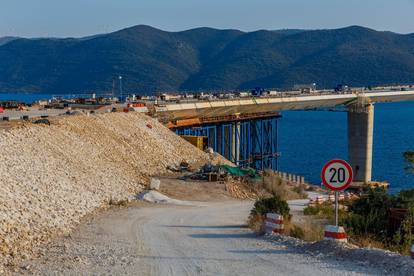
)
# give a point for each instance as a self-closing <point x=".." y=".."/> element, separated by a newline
<point x="360" y="139"/>
<point x="236" y="142"/>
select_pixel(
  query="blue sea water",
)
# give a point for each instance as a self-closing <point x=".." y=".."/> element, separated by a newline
<point x="23" y="97"/>
<point x="308" y="139"/>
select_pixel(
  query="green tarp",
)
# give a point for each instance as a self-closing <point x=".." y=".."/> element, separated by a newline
<point x="237" y="171"/>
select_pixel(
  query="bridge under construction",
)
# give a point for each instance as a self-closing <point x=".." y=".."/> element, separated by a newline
<point x="245" y="130"/>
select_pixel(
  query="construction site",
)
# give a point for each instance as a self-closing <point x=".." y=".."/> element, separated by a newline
<point x="63" y="175"/>
<point x="69" y="162"/>
<point x="65" y="168"/>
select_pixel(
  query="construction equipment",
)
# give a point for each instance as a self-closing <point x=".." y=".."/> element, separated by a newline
<point x="200" y="142"/>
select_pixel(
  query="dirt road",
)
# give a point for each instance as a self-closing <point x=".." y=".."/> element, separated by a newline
<point x="181" y="240"/>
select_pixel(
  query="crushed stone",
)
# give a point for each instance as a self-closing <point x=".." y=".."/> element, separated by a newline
<point x="52" y="176"/>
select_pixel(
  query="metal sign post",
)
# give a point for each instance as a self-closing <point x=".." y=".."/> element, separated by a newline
<point x="337" y="176"/>
<point x="336" y="208"/>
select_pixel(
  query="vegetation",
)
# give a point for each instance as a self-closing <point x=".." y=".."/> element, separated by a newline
<point x="272" y="204"/>
<point x="321" y="210"/>
<point x="277" y="187"/>
<point x="266" y="205"/>
<point x="297" y="232"/>
<point x="409" y="160"/>
<point x="368" y="219"/>
<point x="153" y="60"/>
<point x="386" y="220"/>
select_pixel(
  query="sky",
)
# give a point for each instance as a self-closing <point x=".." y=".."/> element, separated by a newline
<point x="77" y="18"/>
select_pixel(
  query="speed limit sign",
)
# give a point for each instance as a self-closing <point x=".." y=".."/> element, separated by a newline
<point x="337" y="175"/>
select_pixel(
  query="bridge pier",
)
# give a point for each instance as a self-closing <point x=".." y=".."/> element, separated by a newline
<point x="360" y="139"/>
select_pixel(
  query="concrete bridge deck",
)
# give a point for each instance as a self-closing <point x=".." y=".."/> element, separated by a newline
<point x="225" y="107"/>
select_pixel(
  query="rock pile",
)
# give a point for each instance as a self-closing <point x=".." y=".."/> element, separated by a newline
<point x="54" y="175"/>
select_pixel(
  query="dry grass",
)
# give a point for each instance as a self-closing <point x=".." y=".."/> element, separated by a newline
<point x="367" y="241"/>
<point x="256" y="223"/>
<point x="373" y="242"/>
<point x="313" y="231"/>
<point x="308" y="231"/>
<point x="276" y="186"/>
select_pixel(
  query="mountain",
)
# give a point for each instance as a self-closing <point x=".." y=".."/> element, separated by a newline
<point x="151" y="60"/>
<point x="7" y="39"/>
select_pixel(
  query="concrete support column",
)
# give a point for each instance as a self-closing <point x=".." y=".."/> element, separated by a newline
<point x="360" y="140"/>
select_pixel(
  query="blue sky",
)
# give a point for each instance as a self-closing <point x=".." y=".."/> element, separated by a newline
<point x="59" y="18"/>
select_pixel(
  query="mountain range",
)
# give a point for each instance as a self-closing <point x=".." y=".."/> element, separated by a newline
<point x="149" y="60"/>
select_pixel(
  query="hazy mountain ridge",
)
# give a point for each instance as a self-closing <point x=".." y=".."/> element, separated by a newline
<point x="204" y="58"/>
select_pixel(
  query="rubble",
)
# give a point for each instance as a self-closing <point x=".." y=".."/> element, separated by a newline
<point x="52" y="176"/>
<point x="391" y="263"/>
<point x="240" y="190"/>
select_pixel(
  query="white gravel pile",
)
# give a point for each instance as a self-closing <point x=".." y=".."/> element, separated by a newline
<point x="52" y="176"/>
<point x="390" y="263"/>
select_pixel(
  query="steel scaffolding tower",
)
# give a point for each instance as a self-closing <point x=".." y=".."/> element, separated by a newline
<point x="247" y="143"/>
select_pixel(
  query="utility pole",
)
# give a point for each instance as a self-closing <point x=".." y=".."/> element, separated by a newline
<point x="120" y="87"/>
<point x="113" y="88"/>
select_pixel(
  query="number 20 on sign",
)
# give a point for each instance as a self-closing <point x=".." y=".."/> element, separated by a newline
<point x="337" y="175"/>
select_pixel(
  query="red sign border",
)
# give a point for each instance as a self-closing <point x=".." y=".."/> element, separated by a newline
<point x="347" y="166"/>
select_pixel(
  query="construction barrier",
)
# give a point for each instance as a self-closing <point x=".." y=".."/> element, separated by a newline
<point x="317" y="200"/>
<point x="320" y="199"/>
<point x="336" y="233"/>
<point x="274" y="223"/>
<point x="292" y="178"/>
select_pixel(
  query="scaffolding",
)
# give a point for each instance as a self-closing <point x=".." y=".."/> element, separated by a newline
<point x="247" y="143"/>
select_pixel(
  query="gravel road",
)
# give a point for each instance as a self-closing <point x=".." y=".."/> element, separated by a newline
<point x="181" y="240"/>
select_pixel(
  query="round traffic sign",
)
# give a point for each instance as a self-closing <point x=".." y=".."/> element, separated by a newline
<point x="337" y="175"/>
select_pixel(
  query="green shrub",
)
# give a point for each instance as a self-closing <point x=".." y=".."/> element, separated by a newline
<point x="369" y="217"/>
<point x="323" y="211"/>
<point x="405" y="199"/>
<point x="297" y="232"/>
<point x="406" y="231"/>
<point x="271" y="205"/>
<point x="369" y="214"/>
<point x="311" y="211"/>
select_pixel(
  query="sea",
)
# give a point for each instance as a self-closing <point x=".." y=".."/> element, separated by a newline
<point x="308" y="139"/>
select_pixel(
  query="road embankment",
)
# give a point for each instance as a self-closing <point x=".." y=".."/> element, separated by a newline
<point x="52" y="176"/>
